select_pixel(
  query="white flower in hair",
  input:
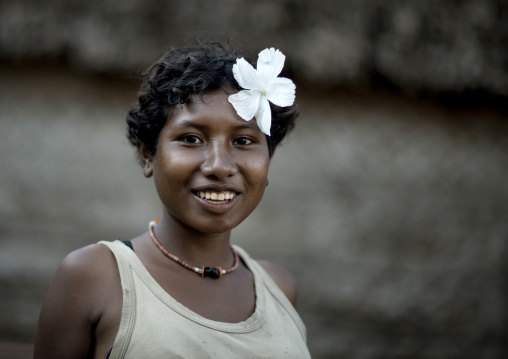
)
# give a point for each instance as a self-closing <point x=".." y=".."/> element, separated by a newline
<point x="261" y="85"/>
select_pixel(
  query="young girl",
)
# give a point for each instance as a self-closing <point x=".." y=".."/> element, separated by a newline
<point x="205" y="126"/>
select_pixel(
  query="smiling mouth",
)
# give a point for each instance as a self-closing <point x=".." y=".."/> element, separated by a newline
<point x="216" y="196"/>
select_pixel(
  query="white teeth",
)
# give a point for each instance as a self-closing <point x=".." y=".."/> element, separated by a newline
<point x="217" y="196"/>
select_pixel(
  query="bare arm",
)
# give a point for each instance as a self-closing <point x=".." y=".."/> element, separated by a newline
<point x="283" y="278"/>
<point x="75" y="304"/>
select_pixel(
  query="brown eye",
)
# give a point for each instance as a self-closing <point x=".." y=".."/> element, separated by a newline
<point x="243" y="141"/>
<point x="191" y="139"/>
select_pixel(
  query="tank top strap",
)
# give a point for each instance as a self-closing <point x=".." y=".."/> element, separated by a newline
<point x="122" y="255"/>
<point x="273" y="288"/>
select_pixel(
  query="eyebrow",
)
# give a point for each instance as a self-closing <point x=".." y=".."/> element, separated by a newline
<point x="248" y="125"/>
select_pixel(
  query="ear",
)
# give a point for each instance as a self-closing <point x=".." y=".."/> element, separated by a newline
<point x="271" y="152"/>
<point x="145" y="159"/>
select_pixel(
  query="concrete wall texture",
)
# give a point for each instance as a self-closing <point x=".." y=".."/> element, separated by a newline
<point x="427" y="45"/>
<point x="390" y="208"/>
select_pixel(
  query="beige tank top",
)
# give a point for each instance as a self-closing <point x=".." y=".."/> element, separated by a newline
<point x="154" y="325"/>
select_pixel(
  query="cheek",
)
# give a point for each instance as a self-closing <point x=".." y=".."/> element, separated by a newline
<point x="173" y="170"/>
<point x="257" y="173"/>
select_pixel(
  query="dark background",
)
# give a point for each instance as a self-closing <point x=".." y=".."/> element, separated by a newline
<point x="389" y="202"/>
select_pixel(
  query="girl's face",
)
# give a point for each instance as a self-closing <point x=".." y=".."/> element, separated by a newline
<point x="210" y="168"/>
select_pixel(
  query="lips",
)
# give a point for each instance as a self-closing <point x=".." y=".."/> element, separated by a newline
<point x="216" y="196"/>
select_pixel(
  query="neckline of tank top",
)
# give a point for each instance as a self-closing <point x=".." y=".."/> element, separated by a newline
<point x="250" y="324"/>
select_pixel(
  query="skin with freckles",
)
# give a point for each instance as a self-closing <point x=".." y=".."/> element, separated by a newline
<point x="204" y="147"/>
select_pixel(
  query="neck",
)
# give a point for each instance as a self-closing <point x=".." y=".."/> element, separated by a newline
<point x="195" y="247"/>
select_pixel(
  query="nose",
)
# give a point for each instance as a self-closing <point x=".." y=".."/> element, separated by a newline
<point x="219" y="162"/>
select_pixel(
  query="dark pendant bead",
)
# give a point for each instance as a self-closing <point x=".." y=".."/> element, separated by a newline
<point x="211" y="272"/>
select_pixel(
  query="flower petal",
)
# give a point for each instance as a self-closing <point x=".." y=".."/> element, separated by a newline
<point x="281" y="92"/>
<point x="270" y="64"/>
<point x="245" y="74"/>
<point x="264" y="115"/>
<point x="246" y="103"/>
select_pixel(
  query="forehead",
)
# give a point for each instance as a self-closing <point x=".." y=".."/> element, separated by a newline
<point x="209" y="110"/>
<point x="212" y="102"/>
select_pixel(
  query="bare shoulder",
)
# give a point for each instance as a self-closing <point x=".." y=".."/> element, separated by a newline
<point x="283" y="278"/>
<point x="84" y="285"/>
<point x="88" y="260"/>
<point x="82" y="266"/>
<point x="88" y="271"/>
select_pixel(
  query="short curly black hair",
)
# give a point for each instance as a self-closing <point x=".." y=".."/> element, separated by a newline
<point x="182" y="73"/>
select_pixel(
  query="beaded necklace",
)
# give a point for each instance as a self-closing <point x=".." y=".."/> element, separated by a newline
<point x="212" y="272"/>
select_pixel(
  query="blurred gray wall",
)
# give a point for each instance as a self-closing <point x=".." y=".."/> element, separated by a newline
<point x="435" y="45"/>
<point x="389" y="201"/>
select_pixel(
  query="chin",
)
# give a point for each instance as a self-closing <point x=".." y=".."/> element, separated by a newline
<point x="215" y="225"/>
